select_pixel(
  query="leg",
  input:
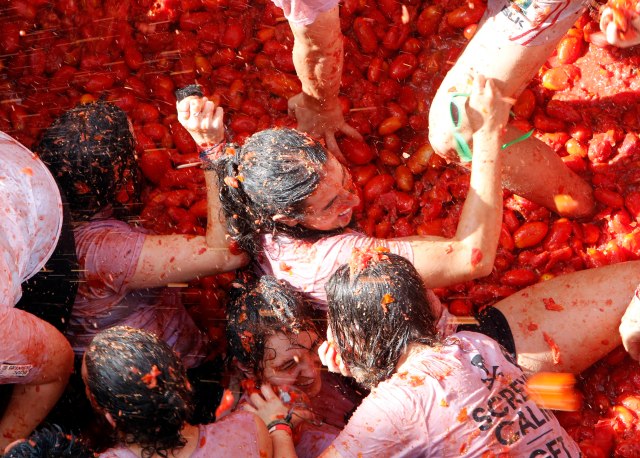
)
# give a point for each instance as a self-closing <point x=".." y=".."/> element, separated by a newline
<point x="530" y="168"/>
<point x="46" y="360"/>
<point x="589" y="304"/>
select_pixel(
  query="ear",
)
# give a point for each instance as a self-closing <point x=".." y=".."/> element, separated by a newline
<point x="287" y="220"/>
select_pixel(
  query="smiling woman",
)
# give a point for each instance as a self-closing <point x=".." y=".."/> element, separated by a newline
<point x="287" y="202"/>
<point x="273" y="339"/>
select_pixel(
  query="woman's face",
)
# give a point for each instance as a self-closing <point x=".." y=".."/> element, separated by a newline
<point x="292" y="360"/>
<point x="331" y="205"/>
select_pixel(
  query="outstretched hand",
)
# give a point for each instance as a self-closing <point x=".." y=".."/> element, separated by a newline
<point x="322" y="123"/>
<point x="487" y="107"/>
<point x="621" y="28"/>
<point x="202" y="119"/>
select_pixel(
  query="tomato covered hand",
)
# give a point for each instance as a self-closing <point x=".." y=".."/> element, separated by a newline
<point x="269" y="407"/>
<point x="202" y="119"/>
<point x="620" y="24"/>
<point x="487" y="107"/>
<point x="630" y="327"/>
<point x="330" y="356"/>
<point x="321" y="122"/>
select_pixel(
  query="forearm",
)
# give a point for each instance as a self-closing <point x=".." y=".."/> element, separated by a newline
<point x="481" y="217"/>
<point x="216" y="234"/>
<point x="318" y="56"/>
<point x="283" y="445"/>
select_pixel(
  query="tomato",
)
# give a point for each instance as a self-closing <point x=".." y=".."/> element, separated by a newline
<point x="609" y="198"/>
<point x="377" y="186"/>
<point x="530" y="234"/>
<point x="402" y="66"/>
<point x="465" y="15"/>
<point x="569" y="49"/>
<point x="519" y="278"/>
<point x="461" y="307"/>
<point x="362" y="174"/>
<point x="560" y="78"/>
<point x="404" y="178"/>
<point x="365" y="35"/>
<point x="429" y="19"/>
<point x="389" y="158"/>
<point x="357" y="152"/>
<point x="524" y="106"/>
<point x="390" y="125"/>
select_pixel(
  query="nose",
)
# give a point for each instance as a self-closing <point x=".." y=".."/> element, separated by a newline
<point x="351" y="198"/>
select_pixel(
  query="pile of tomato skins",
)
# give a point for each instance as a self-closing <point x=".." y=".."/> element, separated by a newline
<point x="55" y="54"/>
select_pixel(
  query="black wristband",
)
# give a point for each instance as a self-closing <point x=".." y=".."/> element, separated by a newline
<point x="188" y="91"/>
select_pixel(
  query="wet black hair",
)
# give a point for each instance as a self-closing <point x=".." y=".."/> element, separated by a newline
<point x="139" y="380"/>
<point x="378" y="305"/>
<point x="50" y="442"/>
<point x="275" y="171"/>
<point x="260" y="311"/>
<point x="90" y="150"/>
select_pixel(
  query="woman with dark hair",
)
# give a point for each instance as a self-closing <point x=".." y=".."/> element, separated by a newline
<point x="34" y="355"/>
<point x="287" y="201"/>
<point x="462" y="394"/>
<point x="273" y="338"/>
<point x="140" y="385"/>
<point x="49" y="442"/>
<point x="124" y="269"/>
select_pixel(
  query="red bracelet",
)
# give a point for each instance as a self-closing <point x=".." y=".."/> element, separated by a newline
<point x="281" y="427"/>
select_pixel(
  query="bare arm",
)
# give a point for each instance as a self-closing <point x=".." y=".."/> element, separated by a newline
<point x="50" y="354"/>
<point x="471" y="252"/>
<point x="178" y="258"/>
<point x="318" y="56"/>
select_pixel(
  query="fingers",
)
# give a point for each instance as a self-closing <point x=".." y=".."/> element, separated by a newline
<point x="332" y="145"/>
<point x="350" y="132"/>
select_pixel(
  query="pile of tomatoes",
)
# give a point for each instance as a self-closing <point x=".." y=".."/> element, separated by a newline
<point x="55" y="54"/>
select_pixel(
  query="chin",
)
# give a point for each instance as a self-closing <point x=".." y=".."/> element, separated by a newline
<point x="314" y="389"/>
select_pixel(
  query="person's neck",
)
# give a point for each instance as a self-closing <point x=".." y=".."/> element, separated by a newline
<point x="190" y="433"/>
<point x="412" y="349"/>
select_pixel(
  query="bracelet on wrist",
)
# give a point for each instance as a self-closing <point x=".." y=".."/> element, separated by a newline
<point x="280" y="425"/>
<point x="210" y="155"/>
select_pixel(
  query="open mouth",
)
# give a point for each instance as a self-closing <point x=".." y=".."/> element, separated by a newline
<point x="345" y="213"/>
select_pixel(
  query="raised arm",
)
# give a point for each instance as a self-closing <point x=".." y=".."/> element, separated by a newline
<point x="318" y="56"/>
<point x="471" y="252"/>
<point x="178" y="258"/>
<point x="621" y="25"/>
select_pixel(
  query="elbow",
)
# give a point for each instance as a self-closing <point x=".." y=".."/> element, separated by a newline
<point x="480" y="263"/>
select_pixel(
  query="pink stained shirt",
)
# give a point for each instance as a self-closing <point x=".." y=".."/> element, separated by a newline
<point x="304" y="12"/>
<point x="464" y="398"/>
<point x="307" y="266"/>
<point x="236" y="435"/>
<point x="30" y="217"/>
<point x="531" y="22"/>
<point x="108" y="251"/>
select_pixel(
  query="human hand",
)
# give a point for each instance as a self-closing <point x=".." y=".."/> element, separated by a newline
<point x="319" y="122"/>
<point x="630" y="328"/>
<point x="487" y="107"/>
<point x="269" y="407"/>
<point x="202" y="119"/>
<point x="621" y="25"/>
<point x="330" y="356"/>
